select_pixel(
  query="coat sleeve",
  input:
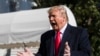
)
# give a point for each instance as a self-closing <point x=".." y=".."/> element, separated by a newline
<point x="84" y="45"/>
<point x="42" y="48"/>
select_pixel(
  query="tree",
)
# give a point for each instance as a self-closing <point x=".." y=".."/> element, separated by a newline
<point x="88" y="16"/>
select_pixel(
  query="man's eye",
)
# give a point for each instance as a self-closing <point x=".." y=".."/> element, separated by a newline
<point x="51" y="16"/>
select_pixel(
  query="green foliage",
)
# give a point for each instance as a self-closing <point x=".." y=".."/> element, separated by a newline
<point x="87" y="15"/>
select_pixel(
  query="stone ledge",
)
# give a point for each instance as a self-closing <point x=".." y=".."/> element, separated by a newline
<point x="18" y="45"/>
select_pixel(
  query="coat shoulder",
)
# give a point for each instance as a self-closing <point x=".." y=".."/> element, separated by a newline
<point x="77" y="29"/>
<point x="47" y="34"/>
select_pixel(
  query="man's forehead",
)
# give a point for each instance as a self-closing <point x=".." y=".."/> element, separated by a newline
<point x="54" y="12"/>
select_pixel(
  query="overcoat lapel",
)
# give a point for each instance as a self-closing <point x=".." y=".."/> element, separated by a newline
<point x="66" y="38"/>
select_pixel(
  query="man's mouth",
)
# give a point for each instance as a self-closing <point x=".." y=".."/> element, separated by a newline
<point x="53" y="24"/>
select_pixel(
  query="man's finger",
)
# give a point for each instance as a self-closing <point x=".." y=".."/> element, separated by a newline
<point x="66" y="43"/>
<point x="27" y="49"/>
<point x="67" y="46"/>
<point x="20" y="54"/>
<point x="66" y="54"/>
<point x="66" y="51"/>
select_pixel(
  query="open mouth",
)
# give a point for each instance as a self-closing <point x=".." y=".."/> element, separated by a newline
<point x="53" y="24"/>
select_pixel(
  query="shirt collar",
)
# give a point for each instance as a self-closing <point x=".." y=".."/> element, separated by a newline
<point x="63" y="29"/>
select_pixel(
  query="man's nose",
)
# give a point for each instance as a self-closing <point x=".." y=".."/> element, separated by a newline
<point x="51" y="18"/>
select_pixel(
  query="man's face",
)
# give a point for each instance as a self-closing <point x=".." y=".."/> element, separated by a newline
<point x="57" y="21"/>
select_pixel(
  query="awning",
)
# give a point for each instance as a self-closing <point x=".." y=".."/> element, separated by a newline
<point x="25" y="26"/>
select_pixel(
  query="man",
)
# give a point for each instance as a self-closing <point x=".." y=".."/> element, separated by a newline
<point x="73" y="41"/>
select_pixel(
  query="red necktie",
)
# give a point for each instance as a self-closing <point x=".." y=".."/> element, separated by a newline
<point x="57" y="43"/>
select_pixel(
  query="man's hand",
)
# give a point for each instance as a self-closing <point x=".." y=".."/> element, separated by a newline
<point x="67" y="50"/>
<point x="26" y="52"/>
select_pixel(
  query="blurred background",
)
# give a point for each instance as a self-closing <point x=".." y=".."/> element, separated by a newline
<point x="87" y="14"/>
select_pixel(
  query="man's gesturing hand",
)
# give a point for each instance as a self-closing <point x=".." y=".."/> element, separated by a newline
<point x="26" y="52"/>
<point x="67" y="50"/>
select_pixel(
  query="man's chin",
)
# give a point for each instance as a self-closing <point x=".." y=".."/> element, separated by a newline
<point x="54" y="28"/>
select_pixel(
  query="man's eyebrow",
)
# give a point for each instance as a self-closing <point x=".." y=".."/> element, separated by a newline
<point x="51" y="15"/>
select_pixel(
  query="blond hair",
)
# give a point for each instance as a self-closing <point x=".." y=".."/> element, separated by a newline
<point x="59" y="8"/>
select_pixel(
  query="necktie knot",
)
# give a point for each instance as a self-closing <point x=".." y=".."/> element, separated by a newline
<point x="58" y="32"/>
